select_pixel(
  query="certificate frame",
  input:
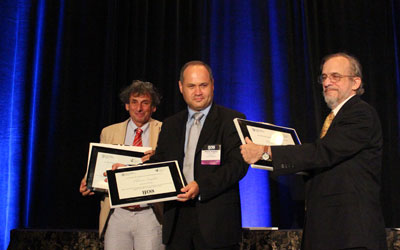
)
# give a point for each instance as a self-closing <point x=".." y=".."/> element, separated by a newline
<point x="242" y="129"/>
<point x="113" y="190"/>
<point x="95" y="149"/>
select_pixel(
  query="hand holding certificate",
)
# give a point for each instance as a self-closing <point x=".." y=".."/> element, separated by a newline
<point x="103" y="156"/>
<point x="265" y="134"/>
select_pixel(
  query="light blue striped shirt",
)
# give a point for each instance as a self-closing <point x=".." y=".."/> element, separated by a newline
<point x="131" y="132"/>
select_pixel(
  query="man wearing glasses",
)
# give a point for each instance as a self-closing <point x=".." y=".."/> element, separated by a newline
<point x="344" y="165"/>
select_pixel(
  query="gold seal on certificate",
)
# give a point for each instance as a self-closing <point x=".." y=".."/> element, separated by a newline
<point x="144" y="184"/>
<point x="265" y="134"/>
<point x="103" y="156"/>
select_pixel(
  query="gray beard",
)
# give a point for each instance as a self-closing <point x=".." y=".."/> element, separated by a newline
<point x="331" y="103"/>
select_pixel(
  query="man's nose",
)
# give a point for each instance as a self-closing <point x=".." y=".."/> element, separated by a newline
<point x="327" y="82"/>
<point x="197" y="90"/>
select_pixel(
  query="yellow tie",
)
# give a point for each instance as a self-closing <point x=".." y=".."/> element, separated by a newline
<point x="327" y="123"/>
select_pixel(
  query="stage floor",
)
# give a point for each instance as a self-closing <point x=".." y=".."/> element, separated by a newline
<point x="88" y="239"/>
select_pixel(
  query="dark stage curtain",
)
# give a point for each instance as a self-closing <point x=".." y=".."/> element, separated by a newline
<point x="63" y="63"/>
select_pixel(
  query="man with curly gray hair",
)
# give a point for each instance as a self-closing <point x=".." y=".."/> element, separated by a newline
<point x="133" y="227"/>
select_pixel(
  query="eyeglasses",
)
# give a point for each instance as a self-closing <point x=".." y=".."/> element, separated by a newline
<point x="334" y="77"/>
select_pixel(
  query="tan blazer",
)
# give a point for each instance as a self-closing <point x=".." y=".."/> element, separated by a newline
<point x="115" y="134"/>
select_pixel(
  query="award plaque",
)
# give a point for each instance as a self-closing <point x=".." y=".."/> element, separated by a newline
<point x="103" y="156"/>
<point x="265" y="134"/>
<point x="144" y="184"/>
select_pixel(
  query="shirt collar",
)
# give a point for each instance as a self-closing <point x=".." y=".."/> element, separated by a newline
<point x="204" y="112"/>
<point x="144" y="128"/>
<point x="338" y="107"/>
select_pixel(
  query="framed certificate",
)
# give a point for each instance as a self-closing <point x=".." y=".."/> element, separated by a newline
<point x="265" y="134"/>
<point x="145" y="183"/>
<point x="103" y="156"/>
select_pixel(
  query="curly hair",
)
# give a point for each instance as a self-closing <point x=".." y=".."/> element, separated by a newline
<point x="138" y="87"/>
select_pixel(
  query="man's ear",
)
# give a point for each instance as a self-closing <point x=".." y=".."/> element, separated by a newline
<point x="356" y="83"/>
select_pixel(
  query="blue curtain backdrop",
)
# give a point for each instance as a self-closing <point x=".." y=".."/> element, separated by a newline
<point x="62" y="64"/>
<point x="13" y="68"/>
<point x="236" y="28"/>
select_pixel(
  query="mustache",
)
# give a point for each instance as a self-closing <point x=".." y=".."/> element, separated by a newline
<point x="330" y="88"/>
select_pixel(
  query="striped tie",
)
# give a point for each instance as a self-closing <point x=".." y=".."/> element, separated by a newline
<point x="327" y="123"/>
<point x="136" y="142"/>
<point x="138" y="138"/>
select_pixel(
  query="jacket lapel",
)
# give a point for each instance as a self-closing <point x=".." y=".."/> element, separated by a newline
<point x="121" y="133"/>
<point x="155" y="128"/>
<point x="346" y="106"/>
<point x="181" y="133"/>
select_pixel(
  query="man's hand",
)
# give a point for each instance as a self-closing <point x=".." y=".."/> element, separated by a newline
<point x="147" y="155"/>
<point x="190" y="191"/>
<point x="251" y="152"/>
<point x="114" y="167"/>
<point x="83" y="188"/>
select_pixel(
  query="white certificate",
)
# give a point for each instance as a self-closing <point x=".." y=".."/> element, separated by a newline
<point x="265" y="136"/>
<point x="104" y="162"/>
<point x="144" y="184"/>
<point x="103" y="156"/>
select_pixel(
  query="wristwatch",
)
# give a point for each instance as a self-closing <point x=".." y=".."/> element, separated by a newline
<point x="265" y="155"/>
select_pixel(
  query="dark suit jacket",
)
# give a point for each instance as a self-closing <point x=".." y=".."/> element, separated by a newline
<point x="218" y="212"/>
<point x="342" y="192"/>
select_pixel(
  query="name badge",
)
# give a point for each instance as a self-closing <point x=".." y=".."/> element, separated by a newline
<point x="211" y="155"/>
